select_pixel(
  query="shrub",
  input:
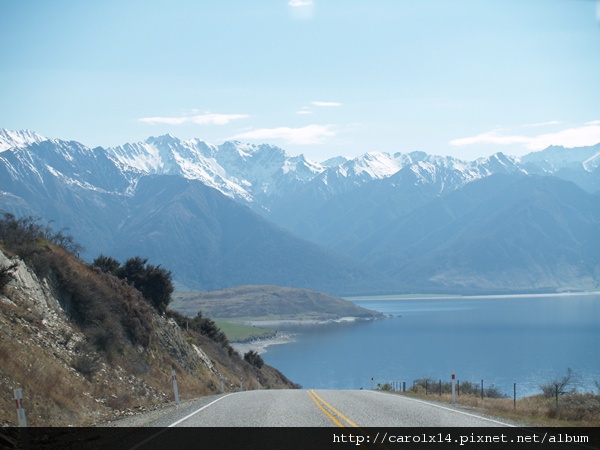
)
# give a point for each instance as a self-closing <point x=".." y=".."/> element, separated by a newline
<point x="561" y="385"/>
<point x="154" y="282"/>
<point x="199" y="324"/>
<point x="107" y="264"/>
<point x="253" y="358"/>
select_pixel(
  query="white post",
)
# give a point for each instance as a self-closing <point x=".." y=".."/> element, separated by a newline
<point x="222" y="386"/>
<point x="453" y="388"/>
<point x="372" y="383"/>
<point x="175" y="389"/>
<point x="20" y="410"/>
<point x="241" y="383"/>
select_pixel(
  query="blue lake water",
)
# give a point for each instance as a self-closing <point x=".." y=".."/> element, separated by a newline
<point x="524" y="340"/>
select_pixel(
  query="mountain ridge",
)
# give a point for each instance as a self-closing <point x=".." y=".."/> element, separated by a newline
<point x="251" y="214"/>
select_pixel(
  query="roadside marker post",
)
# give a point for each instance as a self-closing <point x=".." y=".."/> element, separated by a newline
<point x="175" y="389"/>
<point x="453" y="388"/>
<point x="20" y="411"/>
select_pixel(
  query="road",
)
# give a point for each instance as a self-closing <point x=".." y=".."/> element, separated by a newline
<point x="321" y="408"/>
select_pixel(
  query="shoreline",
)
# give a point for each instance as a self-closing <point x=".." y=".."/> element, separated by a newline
<point x="260" y="345"/>
<point x="401" y="297"/>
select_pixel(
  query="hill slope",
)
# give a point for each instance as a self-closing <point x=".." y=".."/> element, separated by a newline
<point x="269" y="303"/>
<point x="503" y="233"/>
<point x="210" y="242"/>
<point x="85" y="346"/>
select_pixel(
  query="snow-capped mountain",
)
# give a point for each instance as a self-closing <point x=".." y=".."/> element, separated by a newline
<point x="23" y="138"/>
<point x="53" y="161"/>
<point x="580" y="165"/>
<point x="555" y="158"/>
<point x="167" y="155"/>
<point x="448" y="173"/>
<point x="241" y="171"/>
<point x="265" y="170"/>
<point x="184" y="203"/>
<point x="364" y="169"/>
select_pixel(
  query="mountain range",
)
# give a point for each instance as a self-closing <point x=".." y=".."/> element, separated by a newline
<point x="236" y="213"/>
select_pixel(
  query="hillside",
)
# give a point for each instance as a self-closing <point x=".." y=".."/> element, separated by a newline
<point x="85" y="346"/>
<point x="499" y="234"/>
<point x="209" y="241"/>
<point x="260" y="303"/>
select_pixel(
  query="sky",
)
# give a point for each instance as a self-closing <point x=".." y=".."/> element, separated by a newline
<point x="466" y="78"/>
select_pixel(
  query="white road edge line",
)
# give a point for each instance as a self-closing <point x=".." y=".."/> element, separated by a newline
<point x="450" y="409"/>
<point x="145" y="441"/>
<point x="198" y="410"/>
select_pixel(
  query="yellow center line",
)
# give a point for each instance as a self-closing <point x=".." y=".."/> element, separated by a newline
<point x="316" y="398"/>
<point x="333" y="419"/>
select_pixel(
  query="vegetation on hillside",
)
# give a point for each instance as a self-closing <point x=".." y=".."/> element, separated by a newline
<point x="86" y="340"/>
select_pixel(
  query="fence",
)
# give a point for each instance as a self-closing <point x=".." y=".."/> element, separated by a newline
<point x="429" y="386"/>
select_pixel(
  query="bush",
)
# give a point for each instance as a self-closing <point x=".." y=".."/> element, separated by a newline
<point x="18" y="234"/>
<point x="431" y="386"/>
<point x="561" y="385"/>
<point x="254" y="359"/>
<point x="154" y="282"/>
<point x="199" y="324"/>
<point x="107" y="264"/>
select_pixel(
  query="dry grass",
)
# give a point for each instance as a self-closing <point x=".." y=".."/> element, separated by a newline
<point x="51" y="395"/>
<point x="574" y="410"/>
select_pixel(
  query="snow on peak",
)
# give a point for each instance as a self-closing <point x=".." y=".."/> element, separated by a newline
<point x="19" y="139"/>
<point x="374" y="165"/>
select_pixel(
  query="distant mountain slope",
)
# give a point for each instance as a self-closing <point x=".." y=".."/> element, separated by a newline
<point x="499" y="233"/>
<point x="341" y="221"/>
<point x="579" y="165"/>
<point x="210" y="242"/>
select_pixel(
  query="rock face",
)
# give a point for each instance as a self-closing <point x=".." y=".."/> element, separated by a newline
<point x="73" y="374"/>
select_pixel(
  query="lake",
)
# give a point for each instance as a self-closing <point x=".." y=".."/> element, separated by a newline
<point x="502" y="340"/>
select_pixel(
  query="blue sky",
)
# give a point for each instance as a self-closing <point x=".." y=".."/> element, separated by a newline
<point x="322" y="77"/>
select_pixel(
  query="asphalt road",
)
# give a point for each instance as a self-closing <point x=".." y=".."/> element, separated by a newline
<point x="321" y="408"/>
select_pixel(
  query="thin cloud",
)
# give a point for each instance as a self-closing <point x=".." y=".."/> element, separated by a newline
<point x="588" y="134"/>
<point x="490" y="137"/>
<point x="542" y="124"/>
<point x="326" y="104"/>
<point x="199" y="119"/>
<point x="308" y="135"/>
<point x="300" y="3"/>
<point x="302" y="10"/>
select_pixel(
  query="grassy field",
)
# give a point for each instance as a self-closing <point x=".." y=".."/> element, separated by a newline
<point x="237" y="332"/>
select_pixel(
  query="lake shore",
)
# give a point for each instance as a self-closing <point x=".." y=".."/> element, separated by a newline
<point x="400" y="297"/>
<point x="260" y="345"/>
